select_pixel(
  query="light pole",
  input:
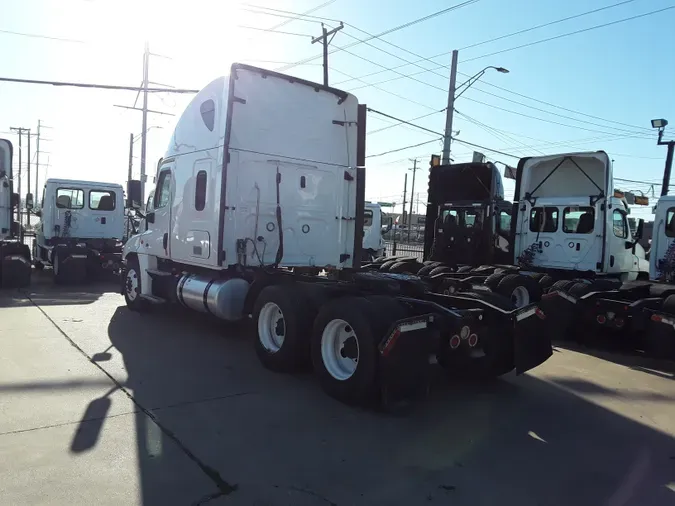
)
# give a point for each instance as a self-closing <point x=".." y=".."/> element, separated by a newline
<point x="453" y="95"/>
<point x="661" y="125"/>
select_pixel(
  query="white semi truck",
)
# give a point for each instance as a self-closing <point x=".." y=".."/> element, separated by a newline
<point x="258" y="212"/>
<point x="80" y="230"/>
<point x="15" y="268"/>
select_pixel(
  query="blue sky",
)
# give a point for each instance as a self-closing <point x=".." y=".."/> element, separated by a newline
<point x="621" y="75"/>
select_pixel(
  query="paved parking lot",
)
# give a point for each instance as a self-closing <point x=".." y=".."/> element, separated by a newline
<point x="103" y="406"/>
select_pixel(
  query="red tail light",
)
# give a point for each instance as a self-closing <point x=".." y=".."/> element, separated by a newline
<point x="540" y="313"/>
<point x="454" y="342"/>
<point x="473" y="340"/>
<point x="601" y="319"/>
<point x="619" y="322"/>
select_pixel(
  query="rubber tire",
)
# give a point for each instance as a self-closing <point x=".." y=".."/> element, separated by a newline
<point x="386" y="265"/>
<point x="492" y="281"/>
<point x="440" y="270"/>
<point x="562" y="285"/>
<point x="602" y="285"/>
<point x="546" y="282"/>
<point x="669" y="305"/>
<point x="578" y="290"/>
<point x="426" y="270"/>
<point x="464" y="268"/>
<point x="138" y="304"/>
<point x="294" y="352"/>
<point x="511" y="281"/>
<point x="362" y="386"/>
<point x="406" y="267"/>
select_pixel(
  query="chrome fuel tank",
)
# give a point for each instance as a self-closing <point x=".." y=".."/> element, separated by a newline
<point x="223" y="298"/>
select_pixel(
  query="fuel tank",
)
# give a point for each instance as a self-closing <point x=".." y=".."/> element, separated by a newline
<point x="223" y="298"/>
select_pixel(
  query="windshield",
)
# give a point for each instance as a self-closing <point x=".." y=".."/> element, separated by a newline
<point x="469" y="217"/>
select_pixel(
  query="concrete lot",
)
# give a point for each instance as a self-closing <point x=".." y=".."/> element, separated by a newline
<point x="103" y="406"/>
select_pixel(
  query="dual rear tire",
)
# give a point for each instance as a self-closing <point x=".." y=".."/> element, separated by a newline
<point x="338" y="341"/>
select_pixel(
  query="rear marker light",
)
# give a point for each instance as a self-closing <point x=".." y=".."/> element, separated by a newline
<point x="454" y="342"/>
<point x="656" y="318"/>
<point x="662" y="319"/>
<point x="473" y="340"/>
<point x="464" y="333"/>
<point x="540" y="313"/>
<point x="601" y="319"/>
<point x="388" y="345"/>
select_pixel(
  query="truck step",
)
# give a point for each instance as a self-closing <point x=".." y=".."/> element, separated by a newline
<point x="157" y="273"/>
<point x="153" y="299"/>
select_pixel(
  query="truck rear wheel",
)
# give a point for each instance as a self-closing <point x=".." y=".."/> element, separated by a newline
<point x="492" y="281"/>
<point x="522" y="290"/>
<point x="428" y="267"/>
<point x="562" y="286"/>
<point x="283" y="328"/>
<point x="344" y="350"/>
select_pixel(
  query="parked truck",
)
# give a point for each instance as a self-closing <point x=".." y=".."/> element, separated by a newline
<point x="258" y="213"/>
<point x="567" y="226"/>
<point x="15" y="268"/>
<point x="80" y="230"/>
<point x="375" y="225"/>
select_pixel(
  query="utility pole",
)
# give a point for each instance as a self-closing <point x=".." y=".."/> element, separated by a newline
<point x="37" y="165"/>
<point x="146" y="64"/>
<point x="20" y="131"/>
<point x="412" y="197"/>
<point x="447" y="139"/>
<point x="324" y="40"/>
<point x="28" y="184"/>
<point x="131" y="156"/>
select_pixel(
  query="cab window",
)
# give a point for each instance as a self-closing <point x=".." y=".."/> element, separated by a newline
<point x="504" y="221"/>
<point x="367" y="217"/>
<point x="544" y="219"/>
<point x="670" y="222"/>
<point x="101" y="200"/>
<point x="578" y="220"/>
<point x="69" y="198"/>
<point x="163" y="192"/>
<point x="619" y="224"/>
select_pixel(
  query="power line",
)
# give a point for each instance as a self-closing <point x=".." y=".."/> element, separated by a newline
<point x="313" y="9"/>
<point x="431" y="58"/>
<point x="544" y="25"/>
<point x="399" y="123"/>
<point x="38" y="36"/>
<point x="98" y="86"/>
<point x="269" y="30"/>
<point x="385" y="32"/>
<point x="403" y="148"/>
<point x="576" y="32"/>
<point x="404" y="121"/>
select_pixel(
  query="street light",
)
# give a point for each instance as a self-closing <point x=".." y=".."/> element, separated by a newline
<point x="453" y="95"/>
<point x="471" y="80"/>
<point x="661" y="125"/>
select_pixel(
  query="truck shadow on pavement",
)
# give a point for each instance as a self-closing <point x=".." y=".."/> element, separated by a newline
<point x="264" y="438"/>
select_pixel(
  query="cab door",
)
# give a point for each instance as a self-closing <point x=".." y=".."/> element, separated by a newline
<point x="155" y="240"/>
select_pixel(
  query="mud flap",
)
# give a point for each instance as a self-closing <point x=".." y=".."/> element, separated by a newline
<point x="15" y="271"/>
<point x="404" y="371"/>
<point x="532" y="342"/>
<point x="561" y="312"/>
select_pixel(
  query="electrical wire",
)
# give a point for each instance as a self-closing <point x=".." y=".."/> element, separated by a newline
<point x="576" y="32"/>
<point x="403" y="148"/>
<point x="399" y="123"/>
<point x="385" y="32"/>
<point x="98" y="86"/>
<point x="38" y="36"/>
<point x="269" y="30"/>
<point x="404" y="121"/>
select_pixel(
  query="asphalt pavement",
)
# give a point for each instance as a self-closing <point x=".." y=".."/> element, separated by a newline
<point x="100" y="405"/>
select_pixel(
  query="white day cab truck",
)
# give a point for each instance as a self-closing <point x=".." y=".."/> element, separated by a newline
<point x="258" y="212"/>
<point x="80" y="230"/>
<point x="375" y="225"/>
<point x="638" y="313"/>
<point x="15" y="268"/>
<point x="568" y="229"/>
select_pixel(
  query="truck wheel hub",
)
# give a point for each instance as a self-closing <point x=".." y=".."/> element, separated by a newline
<point x="271" y="327"/>
<point x="339" y="349"/>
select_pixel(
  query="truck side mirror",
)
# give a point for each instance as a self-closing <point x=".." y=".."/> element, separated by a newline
<point x="15" y="200"/>
<point x="29" y="201"/>
<point x="390" y="223"/>
<point x="640" y="230"/>
<point x="134" y="198"/>
<point x="150" y="217"/>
